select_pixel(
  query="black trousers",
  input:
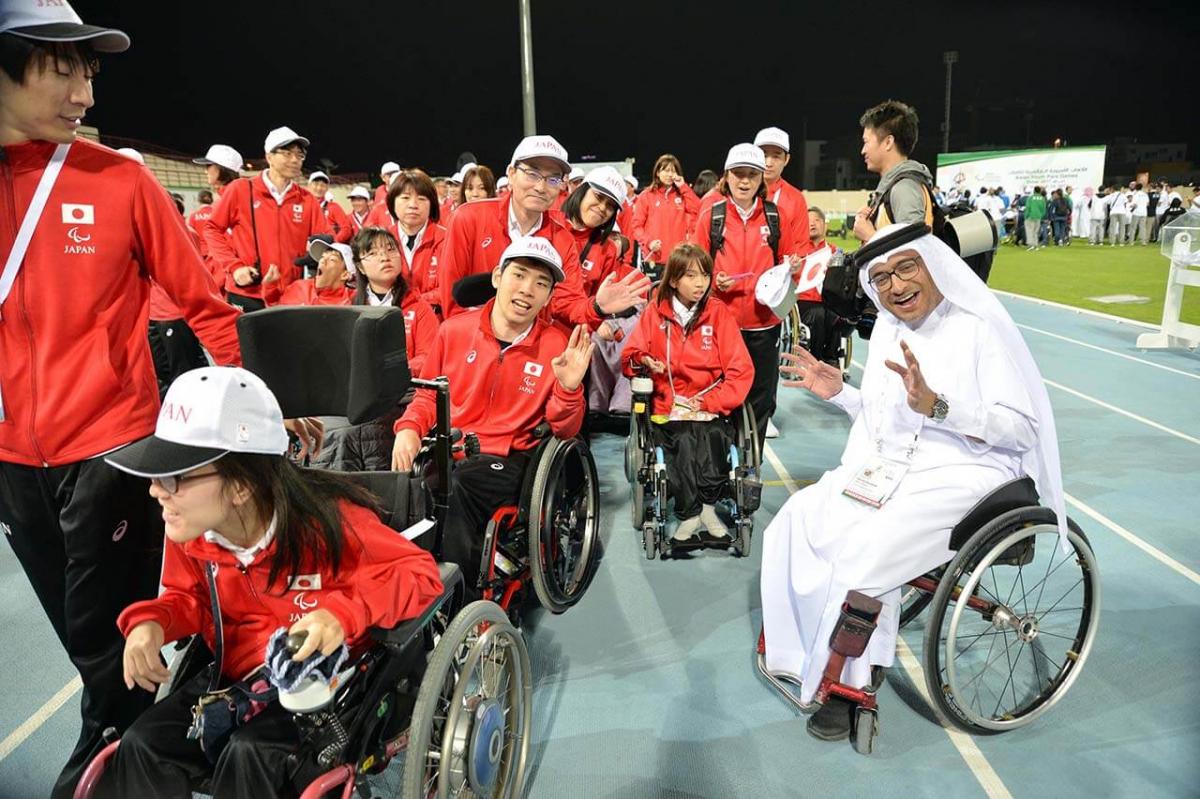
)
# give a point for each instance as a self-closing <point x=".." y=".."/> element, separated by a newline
<point x="175" y="350"/>
<point x="90" y="540"/>
<point x="764" y="353"/>
<point x="247" y="304"/>
<point x="156" y="759"/>
<point x="482" y="484"/>
<point x="697" y="459"/>
<point x="824" y="330"/>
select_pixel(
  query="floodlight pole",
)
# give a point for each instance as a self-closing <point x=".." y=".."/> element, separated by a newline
<point x="948" y="58"/>
<point x="527" y="104"/>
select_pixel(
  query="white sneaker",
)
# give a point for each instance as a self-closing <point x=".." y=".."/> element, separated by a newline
<point x="687" y="529"/>
<point x="772" y="430"/>
<point x="712" y="522"/>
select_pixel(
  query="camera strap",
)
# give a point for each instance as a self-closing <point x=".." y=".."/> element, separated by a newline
<point x="254" y="227"/>
<point x="33" y="214"/>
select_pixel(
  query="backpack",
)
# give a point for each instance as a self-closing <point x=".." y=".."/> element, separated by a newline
<point x="716" y="228"/>
<point x="981" y="263"/>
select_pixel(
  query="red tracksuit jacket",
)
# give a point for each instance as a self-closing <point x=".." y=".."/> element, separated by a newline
<point x="76" y="376"/>
<point x="501" y="397"/>
<point x="625" y="225"/>
<point x="305" y="292"/>
<point x="713" y="354"/>
<point x="384" y="579"/>
<point x="598" y="262"/>
<point x="793" y="206"/>
<point x="420" y="330"/>
<point x="339" y="221"/>
<point x="283" y="231"/>
<point x="666" y="214"/>
<point x="746" y="250"/>
<point x="421" y="271"/>
<point x="814" y="294"/>
<point x="195" y="221"/>
<point x="357" y="224"/>
<point x="475" y="240"/>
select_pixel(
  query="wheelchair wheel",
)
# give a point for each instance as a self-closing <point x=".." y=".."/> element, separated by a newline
<point x="864" y="730"/>
<point x="747" y="439"/>
<point x="1011" y="623"/>
<point x="745" y="533"/>
<point x="791" y="334"/>
<point x="914" y="600"/>
<point x="634" y="449"/>
<point x="650" y="539"/>
<point x="564" y="524"/>
<point x="472" y="721"/>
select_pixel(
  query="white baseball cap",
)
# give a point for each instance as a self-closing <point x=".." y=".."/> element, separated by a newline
<point x="457" y="177"/>
<point x="775" y="136"/>
<point x="389" y="168"/>
<point x="57" y="22"/>
<point x="540" y="147"/>
<point x="776" y="290"/>
<point x="133" y="154"/>
<point x="538" y="249"/>
<point x="360" y="192"/>
<point x="502" y="182"/>
<point x="576" y="174"/>
<point x="318" y="175"/>
<point x="282" y="137"/>
<point x="317" y="248"/>
<point x="746" y="154"/>
<point x="608" y="182"/>
<point x="222" y="155"/>
<point x="632" y="181"/>
<point x="207" y="413"/>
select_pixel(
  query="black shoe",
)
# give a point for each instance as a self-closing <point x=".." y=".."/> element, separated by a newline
<point x="832" y="721"/>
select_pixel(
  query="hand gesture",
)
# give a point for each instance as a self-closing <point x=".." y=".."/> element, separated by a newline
<point x="405" y="450"/>
<point x="724" y="281"/>
<point x="311" y="432"/>
<point x="656" y="245"/>
<point x="807" y="372"/>
<point x="920" y="396"/>
<point x="245" y="275"/>
<point x="796" y="264"/>
<point x="678" y="181"/>
<point x="142" y="660"/>
<point x="324" y="632"/>
<point x="654" y="365"/>
<point x="606" y="332"/>
<point x="570" y="366"/>
<point x="615" y="296"/>
<point x="272" y="274"/>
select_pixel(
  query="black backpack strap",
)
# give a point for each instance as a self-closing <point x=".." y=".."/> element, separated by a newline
<point x="254" y="224"/>
<point x="716" y="228"/>
<point x="772" y="212"/>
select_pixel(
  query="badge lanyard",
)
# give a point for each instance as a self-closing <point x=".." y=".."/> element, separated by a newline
<point x="32" y="215"/>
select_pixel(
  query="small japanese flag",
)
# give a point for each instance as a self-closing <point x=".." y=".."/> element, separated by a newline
<point x="532" y="368"/>
<point x="813" y="274"/>
<point x="73" y="214"/>
<point x="305" y="582"/>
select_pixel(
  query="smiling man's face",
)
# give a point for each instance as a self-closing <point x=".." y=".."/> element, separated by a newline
<point x="907" y="290"/>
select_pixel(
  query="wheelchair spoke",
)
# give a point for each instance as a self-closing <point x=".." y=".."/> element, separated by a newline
<point x="1010" y="683"/>
<point x="1042" y="585"/>
<point x="1024" y="594"/>
<point x="1061" y="598"/>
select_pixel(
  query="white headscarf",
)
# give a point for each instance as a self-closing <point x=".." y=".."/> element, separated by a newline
<point x="963" y="288"/>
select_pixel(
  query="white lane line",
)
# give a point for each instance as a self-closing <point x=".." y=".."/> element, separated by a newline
<point x="1108" y="406"/>
<point x="987" y="777"/>
<point x="1133" y="358"/>
<point x="31" y="724"/>
<point x="1123" y="412"/>
<point x="1148" y="548"/>
<point x="1077" y="309"/>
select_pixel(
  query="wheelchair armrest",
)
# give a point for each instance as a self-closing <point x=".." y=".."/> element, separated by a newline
<point x="406" y="632"/>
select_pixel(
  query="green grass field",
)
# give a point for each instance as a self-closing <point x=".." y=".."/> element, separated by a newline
<point x="1070" y="275"/>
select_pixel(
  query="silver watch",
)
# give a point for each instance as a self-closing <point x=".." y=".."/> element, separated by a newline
<point x="940" y="409"/>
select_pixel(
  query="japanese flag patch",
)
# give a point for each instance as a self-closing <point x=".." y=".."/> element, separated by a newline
<point x="73" y="214"/>
<point x="533" y="369"/>
<point x="305" y="582"/>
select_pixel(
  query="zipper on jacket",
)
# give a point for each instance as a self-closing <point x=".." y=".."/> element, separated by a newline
<point x="249" y="580"/>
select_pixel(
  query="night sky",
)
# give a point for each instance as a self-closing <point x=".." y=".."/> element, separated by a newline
<point x="421" y="82"/>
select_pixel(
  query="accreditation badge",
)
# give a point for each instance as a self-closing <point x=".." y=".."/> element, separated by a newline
<point x="875" y="482"/>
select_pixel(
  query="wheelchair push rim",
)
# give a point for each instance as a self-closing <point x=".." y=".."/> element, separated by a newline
<point x="471" y="723"/>
<point x="564" y="523"/>
<point x="1014" y="647"/>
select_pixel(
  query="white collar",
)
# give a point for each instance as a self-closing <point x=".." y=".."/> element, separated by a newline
<point x="682" y="313"/>
<point x="276" y="193"/>
<point x="387" y="299"/>
<point x="514" y="227"/>
<point x="244" y="555"/>
<point x="416" y="245"/>
<point x="745" y="215"/>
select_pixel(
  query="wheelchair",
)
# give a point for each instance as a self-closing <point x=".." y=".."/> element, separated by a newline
<point x="1012" y="620"/>
<point x="794" y="333"/>
<point x="448" y="693"/>
<point x="646" y="470"/>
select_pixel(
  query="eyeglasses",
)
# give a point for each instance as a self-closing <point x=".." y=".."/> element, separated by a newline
<point x="535" y="177"/>
<point x="171" y="482"/>
<point x="380" y="255"/>
<point x="295" y="155"/>
<point x="905" y="270"/>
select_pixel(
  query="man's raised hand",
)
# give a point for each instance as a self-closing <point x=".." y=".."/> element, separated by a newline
<point x="615" y="296"/>
<point x="805" y="371"/>
<point x="920" y="396"/>
<point x="572" y="364"/>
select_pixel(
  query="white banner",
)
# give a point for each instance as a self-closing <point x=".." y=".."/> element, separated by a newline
<point x="1081" y="168"/>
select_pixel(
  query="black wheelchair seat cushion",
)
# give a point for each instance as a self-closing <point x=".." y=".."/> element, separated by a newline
<point x="1018" y="493"/>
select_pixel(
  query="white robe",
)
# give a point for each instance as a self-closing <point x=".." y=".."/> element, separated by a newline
<point x="823" y="544"/>
<point x="1081" y="217"/>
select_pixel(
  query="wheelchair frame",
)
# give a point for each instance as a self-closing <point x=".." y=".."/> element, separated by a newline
<point x="999" y="533"/>
<point x="648" y="478"/>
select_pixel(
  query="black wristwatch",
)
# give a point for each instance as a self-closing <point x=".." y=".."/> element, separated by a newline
<point x="940" y="409"/>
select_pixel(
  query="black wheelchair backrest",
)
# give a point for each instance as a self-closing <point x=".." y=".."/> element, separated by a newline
<point x="1018" y="493"/>
<point x="328" y="360"/>
<point x="402" y="500"/>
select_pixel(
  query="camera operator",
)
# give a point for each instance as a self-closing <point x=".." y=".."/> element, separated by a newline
<point x="904" y="191"/>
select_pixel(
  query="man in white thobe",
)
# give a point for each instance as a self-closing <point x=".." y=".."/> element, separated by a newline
<point x="950" y="398"/>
